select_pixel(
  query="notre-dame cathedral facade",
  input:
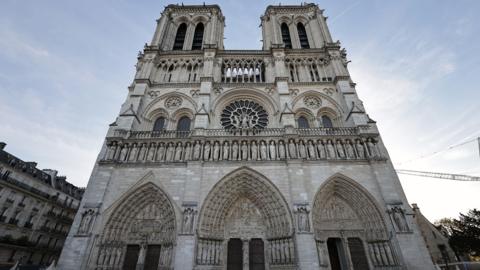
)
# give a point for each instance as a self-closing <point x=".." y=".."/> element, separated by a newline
<point x="243" y="159"/>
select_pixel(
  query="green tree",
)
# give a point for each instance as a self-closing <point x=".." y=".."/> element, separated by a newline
<point x="465" y="233"/>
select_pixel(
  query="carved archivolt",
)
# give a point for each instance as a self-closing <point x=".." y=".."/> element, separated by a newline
<point x="250" y="185"/>
<point x="341" y="201"/>
<point x="145" y="216"/>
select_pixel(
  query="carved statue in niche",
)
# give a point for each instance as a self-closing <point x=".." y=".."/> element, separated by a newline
<point x="281" y="150"/>
<point x="178" y="151"/>
<point x="301" y="150"/>
<point x="244" y="149"/>
<point x="303" y="223"/>
<point x="340" y="151"/>
<point x="188" y="151"/>
<point x="189" y="214"/>
<point x="263" y="151"/>
<point x="292" y="149"/>
<point x="143" y="152"/>
<point x="330" y="150"/>
<point x="226" y="150"/>
<point x="216" y="150"/>
<point x="360" y="149"/>
<point x="196" y="151"/>
<point x="123" y="152"/>
<point x="235" y="150"/>
<point x="273" y="151"/>
<point x="151" y="152"/>
<point x="372" y="148"/>
<point x="254" y="149"/>
<point x="170" y="152"/>
<point x="133" y="153"/>
<point x="111" y="151"/>
<point x="311" y="150"/>
<point x="397" y="214"/>
<point x="206" y="151"/>
<point x="349" y="149"/>
<point x="86" y="222"/>
<point x="161" y="151"/>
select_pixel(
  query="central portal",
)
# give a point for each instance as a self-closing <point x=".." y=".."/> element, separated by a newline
<point x="239" y="252"/>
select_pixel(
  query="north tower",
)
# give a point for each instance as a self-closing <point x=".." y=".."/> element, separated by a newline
<point x="247" y="159"/>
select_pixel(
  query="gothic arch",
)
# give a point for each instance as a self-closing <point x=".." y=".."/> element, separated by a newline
<point x="157" y="104"/>
<point x="145" y="213"/>
<point x="334" y="105"/>
<point x="245" y="182"/>
<point x="357" y="209"/>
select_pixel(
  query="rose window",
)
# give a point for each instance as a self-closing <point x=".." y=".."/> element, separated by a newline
<point x="244" y="114"/>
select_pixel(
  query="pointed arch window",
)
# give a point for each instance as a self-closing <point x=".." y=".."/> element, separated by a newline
<point x="183" y="124"/>
<point x="180" y="37"/>
<point x="326" y="122"/>
<point x="159" y="124"/>
<point x="287" y="41"/>
<point x="198" y="37"/>
<point x="302" y="35"/>
<point x="302" y="122"/>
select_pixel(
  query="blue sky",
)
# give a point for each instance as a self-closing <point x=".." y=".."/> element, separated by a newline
<point x="65" y="67"/>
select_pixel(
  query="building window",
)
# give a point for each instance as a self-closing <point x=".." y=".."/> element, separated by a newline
<point x="183" y="124"/>
<point x="180" y="37"/>
<point x="303" y="122"/>
<point x="302" y="35"/>
<point x="159" y="124"/>
<point x="287" y="41"/>
<point x="326" y="122"/>
<point x="198" y="37"/>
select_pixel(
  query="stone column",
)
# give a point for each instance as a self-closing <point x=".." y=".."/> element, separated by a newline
<point x="245" y="249"/>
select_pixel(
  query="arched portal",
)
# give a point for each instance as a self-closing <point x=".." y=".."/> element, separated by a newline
<point x="349" y="228"/>
<point x="140" y="231"/>
<point x="245" y="206"/>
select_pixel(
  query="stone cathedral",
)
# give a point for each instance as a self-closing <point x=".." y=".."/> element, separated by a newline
<point x="243" y="159"/>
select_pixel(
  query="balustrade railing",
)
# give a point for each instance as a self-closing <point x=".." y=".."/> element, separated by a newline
<point x="267" y="132"/>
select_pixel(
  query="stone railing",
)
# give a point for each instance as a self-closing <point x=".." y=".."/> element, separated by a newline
<point x="242" y="145"/>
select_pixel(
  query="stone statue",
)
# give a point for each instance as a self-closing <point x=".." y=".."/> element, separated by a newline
<point x="372" y="148"/>
<point x="301" y="150"/>
<point x="398" y="216"/>
<point x="292" y="149"/>
<point x="254" y="150"/>
<point x="188" y="220"/>
<point x="263" y="151"/>
<point x="188" y="151"/>
<point x="133" y="153"/>
<point x="216" y="151"/>
<point x="178" y="152"/>
<point x="161" y="151"/>
<point x="206" y="151"/>
<point x="226" y="150"/>
<point x="111" y="151"/>
<point x="151" y="151"/>
<point x="235" y="150"/>
<point x="272" y="150"/>
<point x="141" y="256"/>
<point x="244" y="149"/>
<point x="170" y="152"/>
<point x="349" y="150"/>
<point x="196" y="150"/>
<point x="123" y="152"/>
<point x="321" y="150"/>
<point x="86" y="222"/>
<point x="360" y="149"/>
<point x="311" y="150"/>
<point x="143" y="152"/>
<point x="330" y="150"/>
<point x="340" y="151"/>
<point x="281" y="150"/>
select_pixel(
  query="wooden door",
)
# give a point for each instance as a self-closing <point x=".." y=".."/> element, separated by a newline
<point x="256" y="255"/>
<point x="131" y="257"/>
<point x="235" y="254"/>
<point x="152" y="257"/>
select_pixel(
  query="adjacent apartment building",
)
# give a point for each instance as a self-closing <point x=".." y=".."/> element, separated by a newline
<point x="37" y="208"/>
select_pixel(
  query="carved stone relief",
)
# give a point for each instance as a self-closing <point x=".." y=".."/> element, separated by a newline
<point x="88" y="217"/>
<point x="173" y="102"/>
<point x="312" y="102"/>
